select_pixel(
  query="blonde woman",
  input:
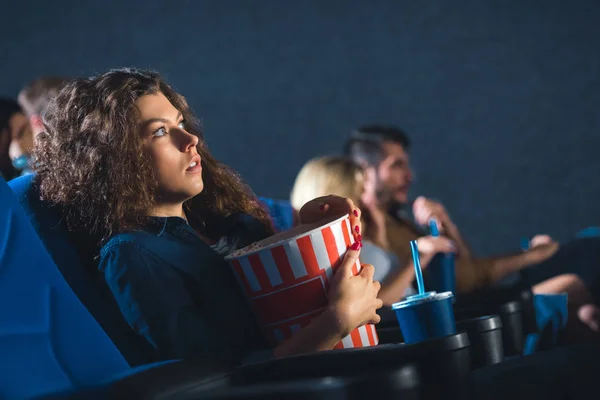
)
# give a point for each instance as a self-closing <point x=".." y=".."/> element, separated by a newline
<point x="342" y="176"/>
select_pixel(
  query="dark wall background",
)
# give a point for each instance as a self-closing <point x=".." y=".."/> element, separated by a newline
<point x="501" y="98"/>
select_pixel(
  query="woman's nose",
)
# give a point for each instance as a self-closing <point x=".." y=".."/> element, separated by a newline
<point x="189" y="141"/>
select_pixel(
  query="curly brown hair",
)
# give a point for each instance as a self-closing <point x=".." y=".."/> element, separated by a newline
<point x="91" y="162"/>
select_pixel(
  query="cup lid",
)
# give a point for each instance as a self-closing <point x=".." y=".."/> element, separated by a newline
<point x="480" y="324"/>
<point x="421" y="298"/>
<point x="510" y="307"/>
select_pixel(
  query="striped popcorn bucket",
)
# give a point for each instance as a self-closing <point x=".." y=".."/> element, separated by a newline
<point x="286" y="278"/>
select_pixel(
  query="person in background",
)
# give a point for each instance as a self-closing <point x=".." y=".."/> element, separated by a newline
<point x="385" y="149"/>
<point x="13" y="125"/>
<point x="341" y="176"/>
<point x="546" y="267"/>
<point x="33" y="99"/>
<point x="123" y="154"/>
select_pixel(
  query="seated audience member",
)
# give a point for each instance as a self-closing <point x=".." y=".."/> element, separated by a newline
<point x="341" y="176"/>
<point x="544" y="267"/>
<point x="34" y="99"/>
<point x="13" y="126"/>
<point x="123" y="154"/>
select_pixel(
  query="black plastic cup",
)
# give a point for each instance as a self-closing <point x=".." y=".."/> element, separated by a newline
<point x="513" y="333"/>
<point x="529" y="317"/>
<point x="485" y="335"/>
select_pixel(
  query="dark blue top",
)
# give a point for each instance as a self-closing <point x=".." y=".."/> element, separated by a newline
<point x="179" y="293"/>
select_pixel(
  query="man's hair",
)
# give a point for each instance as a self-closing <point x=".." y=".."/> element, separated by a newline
<point x="365" y="143"/>
<point x="36" y="95"/>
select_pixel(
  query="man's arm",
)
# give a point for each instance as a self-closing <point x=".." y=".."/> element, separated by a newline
<point x="496" y="267"/>
<point x="504" y="265"/>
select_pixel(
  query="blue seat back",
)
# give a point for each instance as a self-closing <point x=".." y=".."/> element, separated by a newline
<point x="282" y="213"/>
<point x="48" y="340"/>
<point x="591" y="231"/>
<point x="73" y="254"/>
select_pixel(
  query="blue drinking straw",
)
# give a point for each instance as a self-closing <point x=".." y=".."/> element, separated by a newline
<point x="417" y="262"/>
<point x="433" y="228"/>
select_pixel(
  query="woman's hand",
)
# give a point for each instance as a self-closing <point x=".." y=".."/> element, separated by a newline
<point x="332" y="206"/>
<point x="429" y="246"/>
<point x="353" y="299"/>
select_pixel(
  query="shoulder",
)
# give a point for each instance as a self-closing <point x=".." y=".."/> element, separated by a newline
<point x="384" y="262"/>
<point x="131" y="251"/>
<point x="404" y="221"/>
<point x="243" y="229"/>
<point x="127" y="241"/>
<point x="373" y="254"/>
<point x="401" y="230"/>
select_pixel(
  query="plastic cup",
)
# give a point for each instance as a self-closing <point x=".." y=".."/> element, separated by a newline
<point x="286" y="278"/>
<point x="441" y="274"/>
<point x="426" y="316"/>
<point x="485" y="335"/>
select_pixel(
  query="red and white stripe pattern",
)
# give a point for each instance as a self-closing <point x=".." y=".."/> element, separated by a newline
<point x="287" y="284"/>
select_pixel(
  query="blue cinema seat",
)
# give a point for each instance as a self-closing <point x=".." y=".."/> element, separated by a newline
<point x="73" y="254"/>
<point x="48" y="340"/>
<point x="282" y="213"/>
<point x="50" y="343"/>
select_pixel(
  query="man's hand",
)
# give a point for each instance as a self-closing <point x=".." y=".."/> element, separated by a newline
<point x="540" y="240"/>
<point x="425" y="209"/>
<point x="430" y="246"/>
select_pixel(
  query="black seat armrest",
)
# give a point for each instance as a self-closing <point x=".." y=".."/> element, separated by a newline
<point x="178" y="379"/>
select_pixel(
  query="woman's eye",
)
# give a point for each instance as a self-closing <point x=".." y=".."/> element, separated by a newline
<point x="182" y="125"/>
<point x="160" y="132"/>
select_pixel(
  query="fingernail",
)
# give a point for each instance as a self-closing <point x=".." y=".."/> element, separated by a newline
<point x="322" y="207"/>
<point x="359" y="238"/>
<point x="355" y="246"/>
<point x="357" y="229"/>
<point x="355" y="213"/>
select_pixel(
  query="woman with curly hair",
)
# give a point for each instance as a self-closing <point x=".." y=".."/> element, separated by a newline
<point x="123" y="154"/>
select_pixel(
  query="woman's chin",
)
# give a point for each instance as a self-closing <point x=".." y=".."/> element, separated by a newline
<point x="197" y="189"/>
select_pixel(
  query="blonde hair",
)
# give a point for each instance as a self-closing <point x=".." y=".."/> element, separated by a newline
<point x="327" y="175"/>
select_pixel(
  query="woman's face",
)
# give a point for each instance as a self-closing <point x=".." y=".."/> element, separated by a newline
<point x="172" y="149"/>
